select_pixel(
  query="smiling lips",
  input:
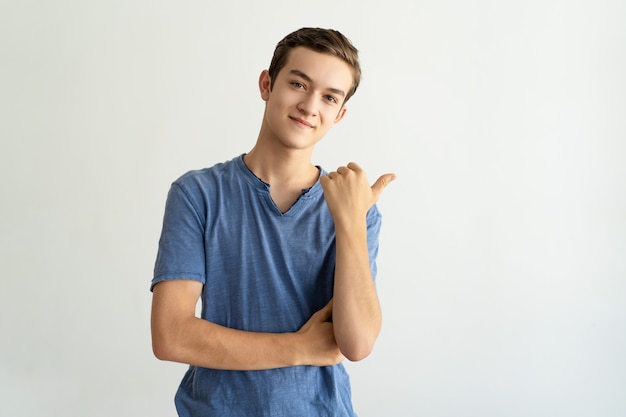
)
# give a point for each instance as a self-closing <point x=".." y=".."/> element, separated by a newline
<point x="300" y="122"/>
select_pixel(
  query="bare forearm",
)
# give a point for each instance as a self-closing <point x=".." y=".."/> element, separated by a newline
<point x="198" y="342"/>
<point x="356" y="310"/>
<point x="179" y="336"/>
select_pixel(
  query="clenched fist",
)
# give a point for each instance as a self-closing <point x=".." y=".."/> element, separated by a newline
<point x="348" y="193"/>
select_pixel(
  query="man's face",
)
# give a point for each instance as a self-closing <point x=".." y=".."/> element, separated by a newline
<point x="306" y="99"/>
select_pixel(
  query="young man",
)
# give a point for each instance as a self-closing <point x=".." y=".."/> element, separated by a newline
<point x="281" y="253"/>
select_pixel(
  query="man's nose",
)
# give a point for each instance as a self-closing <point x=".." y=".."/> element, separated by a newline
<point x="307" y="105"/>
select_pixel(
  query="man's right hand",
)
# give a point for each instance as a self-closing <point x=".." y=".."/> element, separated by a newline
<point x="318" y="339"/>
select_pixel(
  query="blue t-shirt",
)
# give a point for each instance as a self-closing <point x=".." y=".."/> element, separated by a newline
<point x="263" y="271"/>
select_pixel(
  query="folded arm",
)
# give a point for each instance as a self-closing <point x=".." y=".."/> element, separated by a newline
<point x="179" y="336"/>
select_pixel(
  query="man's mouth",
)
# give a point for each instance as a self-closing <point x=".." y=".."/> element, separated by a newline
<point x="301" y="122"/>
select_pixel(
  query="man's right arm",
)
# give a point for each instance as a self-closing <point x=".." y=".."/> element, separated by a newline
<point x="179" y="336"/>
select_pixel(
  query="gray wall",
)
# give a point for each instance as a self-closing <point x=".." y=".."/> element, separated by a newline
<point x="503" y="260"/>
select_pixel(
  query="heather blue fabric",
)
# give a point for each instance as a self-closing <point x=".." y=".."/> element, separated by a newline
<point x="262" y="270"/>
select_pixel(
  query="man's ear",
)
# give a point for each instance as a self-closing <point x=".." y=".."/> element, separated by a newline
<point x="341" y="114"/>
<point x="264" y="84"/>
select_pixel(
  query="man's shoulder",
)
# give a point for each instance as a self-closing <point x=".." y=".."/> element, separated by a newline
<point x="207" y="176"/>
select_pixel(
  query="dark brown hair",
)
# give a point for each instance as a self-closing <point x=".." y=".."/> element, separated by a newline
<point x="327" y="41"/>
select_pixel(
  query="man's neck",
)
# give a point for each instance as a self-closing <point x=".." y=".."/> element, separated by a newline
<point x="287" y="173"/>
<point x="287" y="168"/>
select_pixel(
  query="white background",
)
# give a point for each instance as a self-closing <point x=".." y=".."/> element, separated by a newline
<point x="502" y="270"/>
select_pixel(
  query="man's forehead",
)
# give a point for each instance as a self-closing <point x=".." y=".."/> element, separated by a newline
<point x="319" y="67"/>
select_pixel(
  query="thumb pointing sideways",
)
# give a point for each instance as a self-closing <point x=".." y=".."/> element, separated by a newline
<point x="381" y="183"/>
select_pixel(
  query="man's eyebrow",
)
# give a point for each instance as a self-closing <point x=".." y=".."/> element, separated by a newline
<point x="308" y="79"/>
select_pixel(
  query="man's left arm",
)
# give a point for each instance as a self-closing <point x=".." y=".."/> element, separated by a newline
<point x="357" y="316"/>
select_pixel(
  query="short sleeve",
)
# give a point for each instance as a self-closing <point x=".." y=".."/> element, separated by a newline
<point x="374" y="222"/>
<point x="181" y="252"/>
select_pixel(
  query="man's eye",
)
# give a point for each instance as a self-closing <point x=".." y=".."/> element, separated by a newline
<point x="331" y="99"/>
<point x="297" y="84"/>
